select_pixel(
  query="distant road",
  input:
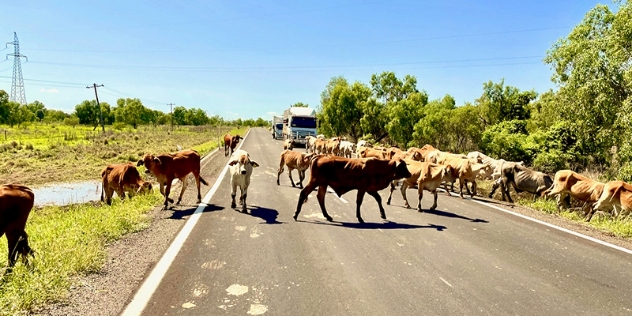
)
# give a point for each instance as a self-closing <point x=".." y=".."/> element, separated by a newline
<point x="462" y="259"/>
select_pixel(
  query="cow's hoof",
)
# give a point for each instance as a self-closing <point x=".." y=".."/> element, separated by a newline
<point x="293" y="185"/>
<point x="406" y="206"/>
<point x="199" y="201"/>
<point x="388" y="202"/>
<point x="420" y="210"/>
<point x="233" y="205"/>
<point x="278" y="183"/>
<point x="170" y="200"/>
<point x="360" y="220"/>
<point x="244" y="210"/>
<point x="178" y="202"/>
<point x="295" y="217"/>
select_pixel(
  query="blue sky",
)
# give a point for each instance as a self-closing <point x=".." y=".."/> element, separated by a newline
<point x="249" y="59"/>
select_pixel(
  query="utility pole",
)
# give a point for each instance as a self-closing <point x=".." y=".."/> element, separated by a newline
<point x="171" y="105"/>
<point x="95" y="86"/>
<point x="17" y="83"/>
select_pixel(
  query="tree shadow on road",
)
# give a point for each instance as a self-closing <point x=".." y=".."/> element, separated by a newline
<point x="452" y="215"/>
<point x="190" y="209"/>
<point x="384" y="225"/>
<point x="267" y="214"/>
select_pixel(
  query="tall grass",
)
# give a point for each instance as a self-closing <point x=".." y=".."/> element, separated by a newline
<point x="68" y="241"/>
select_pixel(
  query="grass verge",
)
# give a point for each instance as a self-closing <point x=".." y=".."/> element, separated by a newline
<point x="603" y="222"/>
<point x="69" y="241"/>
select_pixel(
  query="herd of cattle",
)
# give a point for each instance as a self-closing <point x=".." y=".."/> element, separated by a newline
<point x="332" y="164"/>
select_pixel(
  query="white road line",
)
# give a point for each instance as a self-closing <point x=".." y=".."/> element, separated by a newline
<point x="446" y="282"/>
<point x="601" y="242"/>
<point x="147" y="289"/>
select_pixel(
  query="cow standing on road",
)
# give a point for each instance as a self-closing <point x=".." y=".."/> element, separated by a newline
<point x="427" y="176"/>
<point x="16" y="202"/>
<point x="230" y="143"/>
<point x="367" y="175"/>
<point x="568" y="183"/>
<point x="294" y="160"/>
<point x="167" y="167"/>
<point x="240" y="171"/>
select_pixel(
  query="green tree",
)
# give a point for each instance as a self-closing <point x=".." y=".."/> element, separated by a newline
<point x="196" y="117"/>
<point x="434" y="126"/>
<point x="592" y="70"/>
<point x="300" y="105"/>
<point x="404" y="114"/>
<point x="340" y="110"/>
<point x="389" y="88"/>
<point x="503" y="103"/>
<point x="179" y="115"/>
<point x="129" y="111"/>
<point x="88" y="113"/>
<point x="38" y="109"/>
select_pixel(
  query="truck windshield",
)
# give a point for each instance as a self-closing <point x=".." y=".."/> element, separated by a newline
<point x="304" y="122"/>
<point x="279" y="126"/>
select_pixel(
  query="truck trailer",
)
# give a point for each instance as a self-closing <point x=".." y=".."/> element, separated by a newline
<point x="277" y="127"/>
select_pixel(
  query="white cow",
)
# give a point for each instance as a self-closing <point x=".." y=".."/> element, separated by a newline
<point x="240" y="172"/>
<point x="347" y="148"/>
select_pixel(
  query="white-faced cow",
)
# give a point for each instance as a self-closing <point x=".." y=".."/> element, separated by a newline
<point x="240" y="171"/>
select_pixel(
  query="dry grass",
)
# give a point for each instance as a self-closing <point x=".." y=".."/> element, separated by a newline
<point x="44" y="153"/>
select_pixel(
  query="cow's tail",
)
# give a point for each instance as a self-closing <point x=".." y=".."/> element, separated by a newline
<point x="282" y="162"/>
<point x="203" y="181"/>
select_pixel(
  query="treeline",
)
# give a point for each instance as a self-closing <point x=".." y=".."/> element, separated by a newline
<point x="126" y="112"/>
<point x="584" y="123"/>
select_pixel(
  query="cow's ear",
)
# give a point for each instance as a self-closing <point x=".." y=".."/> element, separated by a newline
<point x="232" y="162"/>
<point x="139" y="163"/>
<point x="157" y="160"/>
<point x="254" y="164"/>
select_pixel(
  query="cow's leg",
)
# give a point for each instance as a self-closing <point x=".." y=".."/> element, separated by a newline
<point x="185" y="183"/>
<point x="494" y="188"/>
<point x="109" y="192"/>
<point x="302" y="198"/>
<point x="461" y="187"/>
<point x="403" y="190"/>
<point x="420" y="194"/>
<point x="445" y="186"/>
<point x="120" y="191"/>
<point x="280" y="171"/>
<point x="474" y="187"/>
<point x="301" y="177"/>
<point x="388" y="201"/>
<point x="167" y="191"/>
<point x="322" y="191"/>
<point x="244" y="194"/>
<point x="466" y="187"/>
<point x="12" y="242"/>
<point x="233" y="193"/>
<point x="289" y="172"/>
<point x="359" y="199"/>
<point x="505" y="189"/>
<point x="378" y="199"/>
<point x="434" y="204"/>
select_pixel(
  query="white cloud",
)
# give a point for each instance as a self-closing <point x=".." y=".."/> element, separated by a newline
<point x="272" y="113"/>
<point x="49" y="90"/>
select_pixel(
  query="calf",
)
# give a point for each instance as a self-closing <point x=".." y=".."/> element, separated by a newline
<point x="167" y="167"/>
<point x="16" y="202"/>
<point x="230" y="142"/>
<point x="240" y="171"/>
<point x="567" y="183"/>
<point x="294" y="160"/>
<point x="427" y="176"/>
<point x="121" y="178"/>
<point x="288" y="144"/>
<point x="347" y="148"/>
<point x="366" y="175"/>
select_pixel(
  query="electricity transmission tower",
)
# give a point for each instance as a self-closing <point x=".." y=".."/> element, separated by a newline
<point x="17" y="84"/>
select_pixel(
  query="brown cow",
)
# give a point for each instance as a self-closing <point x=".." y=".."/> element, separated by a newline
<point x="294" y="160"/>
<point x="167" y="167"/>
<point x="367" y="175"/>
<point x="230" y="142"/>
<point x="16" y="202"/>
<point x="427" y="176"/>
<point x="568" y="183"/>
<point x="462" y="170"/>
<point x="367" y="152"/>
<point x="121" y="178"/>
<point x="617" y="195"/>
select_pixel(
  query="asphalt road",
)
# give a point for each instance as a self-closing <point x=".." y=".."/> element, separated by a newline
<point x="462" y="259"/>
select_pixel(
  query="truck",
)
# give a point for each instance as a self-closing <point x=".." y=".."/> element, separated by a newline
<point x="277" y="127"/>
<point x="299" y="122"/>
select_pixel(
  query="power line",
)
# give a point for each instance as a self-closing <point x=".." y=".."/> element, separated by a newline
<point x="58" y="82"/>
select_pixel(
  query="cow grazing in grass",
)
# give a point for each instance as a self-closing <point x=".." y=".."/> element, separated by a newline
<point x="367" y="175"/>
<point x="567" y="183"/>
<point x="240" y="171"/>
<point x="230" y="143"/>
<point x="121" y="178"/>
<point x="294" y="160"/>
<point x="426" y="176"/>
<point x="167" y="167"/>
<point x="16" y="202"/>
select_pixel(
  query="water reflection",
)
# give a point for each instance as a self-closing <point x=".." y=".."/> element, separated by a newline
<point x="68" y="193"/>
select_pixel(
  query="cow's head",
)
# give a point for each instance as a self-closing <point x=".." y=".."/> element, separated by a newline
<point x="244" y="162"/>
<point x="144" y="188"/>
<point x="401" y="170"/>
<point x="150" y="162"/>
<point x="235" y="139"/>
<point x="448" y="173"/>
